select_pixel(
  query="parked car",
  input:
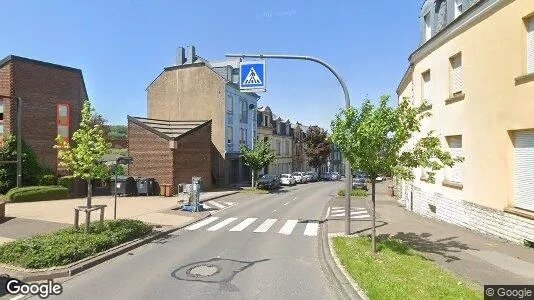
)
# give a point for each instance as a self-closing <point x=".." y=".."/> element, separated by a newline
<point x="299" y="177"/>
<point x="326" y="176"/>
<point x="336" y="176"/>
<point x="378" y="179"/>
<point x="287" y="179"/>
<point x="269" y="182"/>
<point x="312" y="176"/>
<point x="359" y="183"/>
<point x="309" y="177"/>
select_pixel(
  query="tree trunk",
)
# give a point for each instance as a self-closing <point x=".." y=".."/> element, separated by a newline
<point x="88" y="213"/>
<point x="373" y="234"/>
<point x="253" y="178"/>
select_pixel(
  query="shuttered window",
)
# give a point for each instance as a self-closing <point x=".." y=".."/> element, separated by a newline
<point x="425" y="91"/>
<point x="456" y="74"/>
<point x="530" y="45"/>
<point x="455" y="173"/>
<point x="524" y="169"/>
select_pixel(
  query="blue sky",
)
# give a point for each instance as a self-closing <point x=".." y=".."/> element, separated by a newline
<point x="122" y="45"/>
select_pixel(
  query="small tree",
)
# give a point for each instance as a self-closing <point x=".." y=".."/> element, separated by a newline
<point x="374" y="141"/>
<point x="257" y="158"/>
<point x="83" y="158"/>
<point x="31" y="169"/>
<point x="317" y="146"/>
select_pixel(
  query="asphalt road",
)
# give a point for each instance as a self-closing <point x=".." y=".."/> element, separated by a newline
<point x="279" y="261"/>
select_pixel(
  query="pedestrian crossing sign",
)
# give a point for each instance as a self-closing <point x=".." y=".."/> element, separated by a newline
<point x="252" y="76"/>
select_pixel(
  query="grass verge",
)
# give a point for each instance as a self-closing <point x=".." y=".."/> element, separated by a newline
<point x="252" y="190"/>
<point x="69" y="245"/>
<point x="353" y="192"/>
<point x="398" y="272"/>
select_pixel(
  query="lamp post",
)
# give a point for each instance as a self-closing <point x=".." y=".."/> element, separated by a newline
<point x="348" y="177"/>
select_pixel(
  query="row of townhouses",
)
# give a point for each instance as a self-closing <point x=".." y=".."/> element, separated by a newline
<point x="475" y="67"/>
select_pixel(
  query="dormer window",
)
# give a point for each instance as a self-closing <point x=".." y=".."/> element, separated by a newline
<point x="428" y="28"/>
<point x="266" y="121"/>
<point x="278" y="127"/>
<point x="458" y="8"/>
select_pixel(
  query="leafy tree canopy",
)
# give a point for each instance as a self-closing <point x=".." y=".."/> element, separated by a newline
<point x="317" y="146"/>
<point x="257" y="158"/>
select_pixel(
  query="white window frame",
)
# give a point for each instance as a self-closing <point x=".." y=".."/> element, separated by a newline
<point x="456" y="172"/>
<point x="426" y="81"/>
<point x="243" y="117"/>
<point x="456" y="74"/>
<point x="428" y="27"/>
<point x="458" y="8"/>
<point x="230" y="135"/>
<point x="278" y="148"/>
<point x="530" y="45"/>
<point x="230" y="104"/>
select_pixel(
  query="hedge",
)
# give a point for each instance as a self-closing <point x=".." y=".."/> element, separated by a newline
<point x="354" y="193"/>
<point x="66" y="181"/>
<point x="37" y="193"/>
<point x="48" y="180"/>
<point x="70" y="245"/>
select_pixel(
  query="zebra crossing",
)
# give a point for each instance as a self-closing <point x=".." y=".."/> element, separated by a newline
<point x="356" y="213"/>
<point x="216" y="206"/>
<point x="255" y="225"/>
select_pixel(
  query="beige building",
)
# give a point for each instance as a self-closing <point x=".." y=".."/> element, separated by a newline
<point x="475" y="67"/>
<point x="196" y="89"/>
<point x="273" y="128"/>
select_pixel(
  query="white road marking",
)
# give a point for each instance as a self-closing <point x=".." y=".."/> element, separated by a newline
<point x="274" y="210"/>
<point x="352" y="216"/>
<point x="243" y="224"/>
<point x="327" y="213"/>
<point x="206" y="206"/>
<point x="288" y="227"/>
<point x="18" y="297"/>
<point x="286" y="203"/>
<point x="218" y="205"/>
<point x="201" y="223"/>
<point x="311" y="228"/>
<point x="221" y="224"/>
<point x="265" y="225"/>
<point x="229" y="203"/>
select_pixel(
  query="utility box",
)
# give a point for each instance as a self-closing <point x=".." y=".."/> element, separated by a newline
<point x="146" y="186"/>
<point x="125" y="186"/>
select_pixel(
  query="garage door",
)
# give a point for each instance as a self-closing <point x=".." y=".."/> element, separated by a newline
<point x="524" y="169"/>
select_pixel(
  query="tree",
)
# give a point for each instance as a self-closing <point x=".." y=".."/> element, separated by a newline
<point x="375" y="141"/>
<point x="257" y="158"/>
<point x="98" y="119"/>
<point x="31" y="170"/>
<point x="118" y="132"/>
<point x="83" y="158"/>
<point x="317" y="146"/>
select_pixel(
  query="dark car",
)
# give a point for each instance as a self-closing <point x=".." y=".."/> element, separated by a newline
<point x="326" y="176"/>
<point x="359" y="183"/>
<point x="269" y="182"/>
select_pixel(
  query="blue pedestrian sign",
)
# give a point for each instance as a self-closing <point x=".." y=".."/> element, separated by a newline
<point x="252" y="76"/>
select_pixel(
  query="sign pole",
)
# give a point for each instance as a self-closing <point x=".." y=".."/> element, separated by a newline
<point x="348" y="173"/>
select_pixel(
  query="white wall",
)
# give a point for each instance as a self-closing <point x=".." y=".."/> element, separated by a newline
<point x="233" y="119"/>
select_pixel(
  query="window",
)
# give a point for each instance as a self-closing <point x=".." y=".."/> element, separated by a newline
<point x="243" y="136"/>
<point x="425" y="87"/>
<point x="230" y="104"/>
<point x="287" y="148"/>
<point x="243" y="117"/>
<point x="278" y="129"/>
<point x="428" y="32"/>
<point x="287" y="129"/>
<point x="229" y="135"/>
<point x="458" y="8"/>
<point x="455" y="173"/>
<point x="530" y="45"/>
<point x="63" y="120"/>
<point x="456" y="74"/>
<point x="266" y="121"/>
<point x="1" y="122"/>
<point x="278" y="150"/>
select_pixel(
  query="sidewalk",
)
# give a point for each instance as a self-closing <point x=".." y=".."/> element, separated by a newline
<point x="31" y="218"/>
<point x="480" y="258"/>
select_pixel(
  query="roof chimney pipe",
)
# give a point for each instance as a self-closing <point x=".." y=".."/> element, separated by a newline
<point x="180" y="56"/>
<point x="191" y="55"/>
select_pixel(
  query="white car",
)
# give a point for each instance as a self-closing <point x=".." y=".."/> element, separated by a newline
<point x="299" y="177"/>
<point x="287" y="179"/>
<point x="378" y="179"/>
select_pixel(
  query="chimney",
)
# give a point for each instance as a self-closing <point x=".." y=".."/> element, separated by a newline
<point x="191" y="55"/>
<point x="180" y="56"/>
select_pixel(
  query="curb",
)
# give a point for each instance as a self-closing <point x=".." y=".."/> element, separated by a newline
<point x="27" y="275"/>
<point x="345" y="286"/>
<point x="220" y="196"/>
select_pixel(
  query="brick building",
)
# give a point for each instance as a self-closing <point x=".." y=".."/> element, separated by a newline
<point x="170" y="151"/>
<point x="52" y="98"/>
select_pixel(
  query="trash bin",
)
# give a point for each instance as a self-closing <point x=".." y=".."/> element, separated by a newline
<point x="166" y="190"/>
<point x="125" y="185"/>
<point x="146" y="186"/>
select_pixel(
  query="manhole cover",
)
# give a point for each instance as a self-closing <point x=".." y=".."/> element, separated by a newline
<point x="203" y="271"/>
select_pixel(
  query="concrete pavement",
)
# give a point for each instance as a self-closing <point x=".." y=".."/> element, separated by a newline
<point x="481" y="259"/>
<point x="273" y="255"/>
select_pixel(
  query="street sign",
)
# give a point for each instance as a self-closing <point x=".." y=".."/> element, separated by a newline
<point x="252" y="76"/>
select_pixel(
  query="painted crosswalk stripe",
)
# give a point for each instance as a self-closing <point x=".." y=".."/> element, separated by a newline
<point x="202" y="223"/>
<point x="205" y="206"/>
<point x="229" y="203"/>
<point x="365" y="214"/>
<point x="221" y="224"/>
<point x="311" y="228"/>
<point x="265" y="225"/>
<point x="243" y="224"/>
<point x="360" y="217"/>
<point x="288" y="227"/>
<point x="218" y="205"/>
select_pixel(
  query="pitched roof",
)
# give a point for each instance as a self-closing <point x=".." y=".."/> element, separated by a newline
<point x="170" y="130"/>
<point x="9" y="58"/>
